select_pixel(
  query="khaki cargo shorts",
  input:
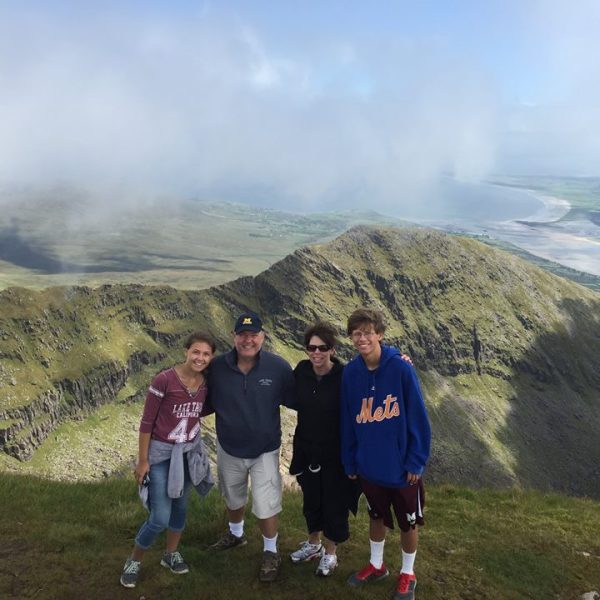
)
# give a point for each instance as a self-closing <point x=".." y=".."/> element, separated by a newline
<point x="265" y="482"/>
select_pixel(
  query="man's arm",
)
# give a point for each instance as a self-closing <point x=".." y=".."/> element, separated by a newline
<point x="288" y="393"/>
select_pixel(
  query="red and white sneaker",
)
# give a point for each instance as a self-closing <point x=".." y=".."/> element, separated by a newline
<point x="405" y="589"/>
<point x="368" y="574"/>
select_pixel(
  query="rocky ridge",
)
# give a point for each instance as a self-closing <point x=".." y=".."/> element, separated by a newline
<point x="506" y="352"/>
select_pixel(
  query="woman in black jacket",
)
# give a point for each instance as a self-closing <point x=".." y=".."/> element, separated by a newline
<point x="328" y="494"/>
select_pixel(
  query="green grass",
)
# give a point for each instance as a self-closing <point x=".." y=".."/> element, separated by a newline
<point x="70" y="540"/>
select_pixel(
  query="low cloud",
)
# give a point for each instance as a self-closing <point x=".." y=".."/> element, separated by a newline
<point x="211" y="104"/>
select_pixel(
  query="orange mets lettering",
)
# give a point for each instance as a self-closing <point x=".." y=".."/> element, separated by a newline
<point x="389" y="409"/>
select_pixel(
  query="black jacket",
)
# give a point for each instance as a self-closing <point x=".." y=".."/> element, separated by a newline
<point x="317" y="435"/>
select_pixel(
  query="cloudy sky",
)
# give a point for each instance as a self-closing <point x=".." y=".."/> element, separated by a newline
<point x="307" y="104"/>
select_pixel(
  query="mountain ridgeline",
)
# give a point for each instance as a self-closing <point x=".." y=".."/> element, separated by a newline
<point x="507" y="353"/>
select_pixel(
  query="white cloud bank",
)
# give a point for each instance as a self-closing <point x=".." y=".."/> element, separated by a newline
<point x="211" y="106"/>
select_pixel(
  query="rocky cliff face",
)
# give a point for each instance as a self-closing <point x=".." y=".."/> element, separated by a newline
<point x="70" y="398"/>
<point x="507" y="353"/>
<point x="67" y="351"/>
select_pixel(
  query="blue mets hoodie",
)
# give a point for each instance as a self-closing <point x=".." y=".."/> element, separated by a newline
<point x="385" y="431"/>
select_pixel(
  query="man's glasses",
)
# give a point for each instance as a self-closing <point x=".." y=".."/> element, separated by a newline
<point x="320" y="348"/>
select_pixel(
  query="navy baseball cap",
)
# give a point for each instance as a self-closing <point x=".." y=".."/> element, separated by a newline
<point x="248" y="322"/>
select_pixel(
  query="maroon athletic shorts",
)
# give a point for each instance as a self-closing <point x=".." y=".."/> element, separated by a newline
<point x="407" y="502"/>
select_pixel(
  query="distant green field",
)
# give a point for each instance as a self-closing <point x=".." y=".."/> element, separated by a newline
<point x="60" y="238"/>
<point x="187" y="244"/>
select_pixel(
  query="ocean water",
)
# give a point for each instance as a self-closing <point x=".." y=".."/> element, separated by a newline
<point x="513" y="215"/>
<point x="461" y="202"/>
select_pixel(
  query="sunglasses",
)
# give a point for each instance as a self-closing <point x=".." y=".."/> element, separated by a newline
<point x="320" y="348"/>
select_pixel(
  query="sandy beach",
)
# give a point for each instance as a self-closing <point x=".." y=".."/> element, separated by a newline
<point x="573" y="243"/>
<point x="553" y="208"/>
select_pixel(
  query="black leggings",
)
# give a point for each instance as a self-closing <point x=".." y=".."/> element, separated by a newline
<point x="325" y="504"/>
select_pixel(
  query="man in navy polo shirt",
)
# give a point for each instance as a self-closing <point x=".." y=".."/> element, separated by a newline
<point x="246" y="388"/>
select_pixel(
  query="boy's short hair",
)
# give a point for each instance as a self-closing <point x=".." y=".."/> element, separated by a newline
<point x="366" y="316"/>
<point x="326" y="331"/>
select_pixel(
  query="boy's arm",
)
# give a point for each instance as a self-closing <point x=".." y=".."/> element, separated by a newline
<point x="417" y="421"/>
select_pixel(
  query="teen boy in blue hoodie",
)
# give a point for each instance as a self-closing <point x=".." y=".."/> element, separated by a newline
<point x="385" y="438"/>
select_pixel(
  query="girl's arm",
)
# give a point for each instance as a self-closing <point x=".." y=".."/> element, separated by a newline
<point x="143" y="466"/>
<point x="156" y="392"/>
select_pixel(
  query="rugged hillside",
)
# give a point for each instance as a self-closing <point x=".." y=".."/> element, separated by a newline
<point x="507" y="352"/>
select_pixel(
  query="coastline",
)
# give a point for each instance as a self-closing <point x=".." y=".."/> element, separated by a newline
<point x="553" y="208"/>
<point x="543" y="235"/>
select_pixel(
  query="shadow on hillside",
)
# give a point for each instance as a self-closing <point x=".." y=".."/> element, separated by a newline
<point x="16" y="249"/>
<point x="553" y="421"/>
<point x="554" y="418"/>
<point x="458" y="454"/>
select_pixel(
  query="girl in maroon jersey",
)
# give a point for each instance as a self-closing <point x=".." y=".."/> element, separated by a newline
<point x="171" y="458"/>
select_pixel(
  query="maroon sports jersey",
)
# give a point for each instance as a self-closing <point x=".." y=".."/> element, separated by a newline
<point x="171" y="413"/>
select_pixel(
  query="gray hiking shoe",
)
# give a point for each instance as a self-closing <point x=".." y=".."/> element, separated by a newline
<point x="229" y="541"/>
<point x="307" y="551"/>
<point x="327" y="564"/>
<point x="175" y="562"/>
<point x="269" y="568"/>
<point x="130" y="573"/>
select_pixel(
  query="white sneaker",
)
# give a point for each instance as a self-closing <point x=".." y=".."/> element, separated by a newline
<point x="327" y="564"/>
<point x="307" y="551"/>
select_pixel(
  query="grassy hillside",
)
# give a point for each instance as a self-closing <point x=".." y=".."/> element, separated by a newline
<point x="499" y="345"/>
<point x="69" y="541"/>
<point x="507" y="354"/>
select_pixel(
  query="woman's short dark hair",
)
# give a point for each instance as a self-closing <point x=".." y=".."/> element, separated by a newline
<point x="365" y="316"/>
<point x="326" y="331"/>
<point x="200" y="336"/>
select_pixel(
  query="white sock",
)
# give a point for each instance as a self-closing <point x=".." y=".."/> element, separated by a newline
<point x="270" y="544"/>
<point x="377" y="553"/>
<point x="237" y="528"/>
<point x="408" y="562"/>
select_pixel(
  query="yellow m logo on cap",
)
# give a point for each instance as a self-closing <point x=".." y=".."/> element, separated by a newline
<point x="247" y="321"/>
